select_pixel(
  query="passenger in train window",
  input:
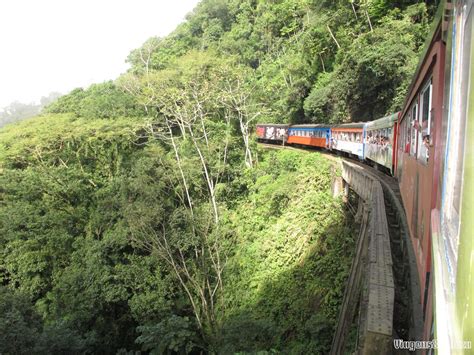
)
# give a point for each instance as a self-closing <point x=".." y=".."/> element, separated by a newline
<point x="426" y="145"/>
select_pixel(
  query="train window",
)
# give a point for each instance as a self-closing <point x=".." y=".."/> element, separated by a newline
<point x="407" y="135"/>
<point x="403" y="136"/>
<point x="424" y="123"/>
<point x="413" y="128"/>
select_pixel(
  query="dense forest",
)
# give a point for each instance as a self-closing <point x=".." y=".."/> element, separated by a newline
<point x="140" y="215"/>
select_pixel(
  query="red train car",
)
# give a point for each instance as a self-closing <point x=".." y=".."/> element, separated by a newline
<point x="419" y="143"/>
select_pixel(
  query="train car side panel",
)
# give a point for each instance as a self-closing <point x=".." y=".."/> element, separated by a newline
<point x="276" y="133"/>
<point x="348" y="138"/>
<point x="452" y="222"/>
<point x="380" y="141"/>
<point x="419" y="121"/>
<point x="310" y="135"/>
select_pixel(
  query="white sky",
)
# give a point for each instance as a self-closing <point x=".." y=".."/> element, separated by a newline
<point x="58" y="45"/>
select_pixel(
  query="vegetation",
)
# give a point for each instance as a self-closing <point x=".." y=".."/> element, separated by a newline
<point x="140" y="215"/>
<point x="97" y="234"/>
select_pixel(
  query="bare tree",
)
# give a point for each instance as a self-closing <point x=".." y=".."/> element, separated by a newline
<point x="187" y="106"/>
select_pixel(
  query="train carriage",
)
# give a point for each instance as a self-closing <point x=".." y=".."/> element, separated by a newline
<point x="272" y="133"/>
<point x="380" y="141"/>
<point x="310" y="135"/>
<point x="422" y="130"/>
<point x="348" y="138"/>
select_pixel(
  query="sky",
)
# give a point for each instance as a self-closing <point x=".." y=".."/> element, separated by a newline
<point x="58" y="45"/>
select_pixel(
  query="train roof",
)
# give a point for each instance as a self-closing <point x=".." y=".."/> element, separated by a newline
<point x="310" y="126"/>
<point x="352" y="125"/>
<point x="273" y="124"/>
<point x="384" y="122"/>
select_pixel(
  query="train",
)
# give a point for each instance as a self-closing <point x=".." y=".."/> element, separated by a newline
<point x="372" y="142"/>
<point x="426" y="146"/>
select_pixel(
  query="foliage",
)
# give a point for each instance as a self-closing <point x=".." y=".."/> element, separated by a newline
<point x="20" y="325"/>
<point x="374" y="74"/>
<point x="367" y="48"/>
<point x="293" y="252"/>
<point x="58" y="247"/>
<point x="173" y="334"/>
<point x="80" y="200"/>
<point x="104" y="100"/>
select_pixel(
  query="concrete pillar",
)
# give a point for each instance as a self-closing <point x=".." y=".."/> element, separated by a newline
<point x="345" y="193"/>
<point x="337" y="186"/>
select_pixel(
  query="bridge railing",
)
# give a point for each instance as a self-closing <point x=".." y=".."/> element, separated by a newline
<point x="370" y="283"/>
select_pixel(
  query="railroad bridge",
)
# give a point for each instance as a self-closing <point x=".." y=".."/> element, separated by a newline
<point x="382" y="298"/>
